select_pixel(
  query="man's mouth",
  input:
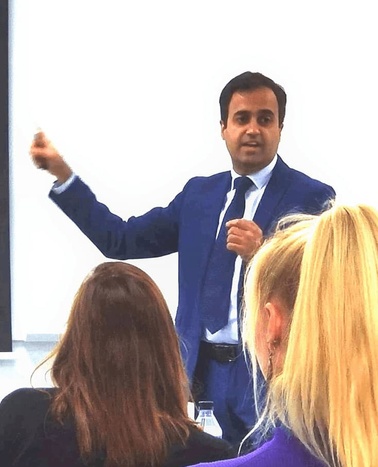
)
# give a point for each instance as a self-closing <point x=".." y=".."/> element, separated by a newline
<point x="251" y="144"/>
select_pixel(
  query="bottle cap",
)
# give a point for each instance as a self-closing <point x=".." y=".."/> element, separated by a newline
<point x="205" y="405"/>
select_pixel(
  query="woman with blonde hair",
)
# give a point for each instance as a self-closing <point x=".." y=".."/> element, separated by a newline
<point x="311" y="324"/>
<point x="121" y="390"/>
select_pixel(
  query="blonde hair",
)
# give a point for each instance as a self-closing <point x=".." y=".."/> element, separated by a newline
<point x="324" y="269"/>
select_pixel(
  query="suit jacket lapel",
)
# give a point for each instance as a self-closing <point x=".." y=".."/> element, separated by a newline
<point x="212" y="202"/>
<point x="206" y="203"/>
<point x="276" y="188"/>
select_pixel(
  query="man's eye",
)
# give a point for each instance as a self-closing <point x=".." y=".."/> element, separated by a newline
<point x="266" y="120"/>
<point x="242" y="119"/>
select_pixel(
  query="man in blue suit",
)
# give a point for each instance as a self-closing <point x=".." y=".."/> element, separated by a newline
<point x="252" y="115"/>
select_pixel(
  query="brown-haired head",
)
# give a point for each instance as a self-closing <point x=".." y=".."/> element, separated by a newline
<point x="119" y="370"/>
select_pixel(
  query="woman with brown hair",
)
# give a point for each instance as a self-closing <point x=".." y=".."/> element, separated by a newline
<point x="121" y="392"/>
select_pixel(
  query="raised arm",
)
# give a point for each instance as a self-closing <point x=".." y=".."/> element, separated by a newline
<point x="46" y="156"/>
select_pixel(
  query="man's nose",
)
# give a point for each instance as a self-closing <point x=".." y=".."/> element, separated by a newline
<point x="253" y="128"/>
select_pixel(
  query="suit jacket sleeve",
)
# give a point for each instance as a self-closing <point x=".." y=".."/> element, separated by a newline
<point x="150" y="235"/>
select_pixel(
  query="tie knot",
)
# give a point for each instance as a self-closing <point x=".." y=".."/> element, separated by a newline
<point x="241" y="184"/>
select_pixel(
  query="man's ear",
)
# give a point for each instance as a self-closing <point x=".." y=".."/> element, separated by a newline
<point x="277" y="317"/>
<point x="223" y="127"/>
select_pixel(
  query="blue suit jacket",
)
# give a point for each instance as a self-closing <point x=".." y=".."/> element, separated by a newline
<point x="187" y="226"/>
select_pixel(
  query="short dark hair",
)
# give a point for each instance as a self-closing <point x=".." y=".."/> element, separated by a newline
<point x="248" y="81"/>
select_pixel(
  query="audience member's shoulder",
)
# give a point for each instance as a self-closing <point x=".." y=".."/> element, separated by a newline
<point x="28" y="397"/>
<point x="200" y="447"/>
<point x="201" y="440"/>
<point x="283" y="449"/>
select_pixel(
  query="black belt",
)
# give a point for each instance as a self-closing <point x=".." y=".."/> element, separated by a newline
<point x="222" y="353"/>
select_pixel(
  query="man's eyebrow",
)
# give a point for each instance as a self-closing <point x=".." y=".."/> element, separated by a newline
<point x="266" y="111"/>
<point x="259" y="112"/>
<point x="242" y="112"/>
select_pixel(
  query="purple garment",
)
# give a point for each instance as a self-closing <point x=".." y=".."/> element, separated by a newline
<point x="283" y="450"/>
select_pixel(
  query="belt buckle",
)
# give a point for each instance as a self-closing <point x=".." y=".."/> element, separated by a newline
<point x="224" y="351"/>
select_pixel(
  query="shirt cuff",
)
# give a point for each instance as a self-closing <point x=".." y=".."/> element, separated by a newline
<point x="59" y="188"/>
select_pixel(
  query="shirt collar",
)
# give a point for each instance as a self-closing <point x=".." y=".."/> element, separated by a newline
<point x="260" y="178"/>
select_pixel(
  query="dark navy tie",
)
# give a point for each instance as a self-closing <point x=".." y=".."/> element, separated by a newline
<point x="215" y="299"/>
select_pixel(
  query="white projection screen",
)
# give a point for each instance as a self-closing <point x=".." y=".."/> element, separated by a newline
<point x="128" y="92"/>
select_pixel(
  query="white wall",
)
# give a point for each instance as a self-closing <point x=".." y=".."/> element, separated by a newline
<point x="128" y="92"/>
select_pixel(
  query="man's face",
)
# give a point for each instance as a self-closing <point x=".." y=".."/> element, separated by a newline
<point x="252" y="132"/>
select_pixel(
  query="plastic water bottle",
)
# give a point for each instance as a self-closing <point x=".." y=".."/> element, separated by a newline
<point x="206" y="419"/>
